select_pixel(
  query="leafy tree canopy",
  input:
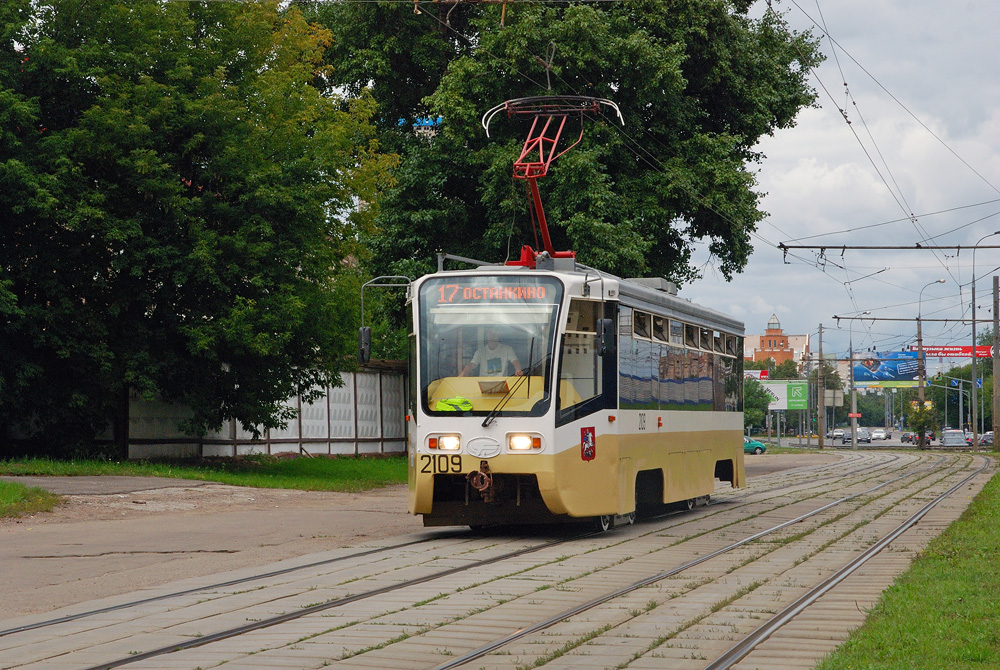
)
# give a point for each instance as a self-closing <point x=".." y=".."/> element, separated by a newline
<point x="786" y="370"/>
<point x="699" y="82"/>
<point x="755" y="402"/>
<point x="178" y="200"/>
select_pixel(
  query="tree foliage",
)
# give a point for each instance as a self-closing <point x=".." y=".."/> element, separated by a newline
<point x="699" y="82"/>
<point x="786" y="370"/>
<point x="755" y="402"/>
<point x="179" y="197"/>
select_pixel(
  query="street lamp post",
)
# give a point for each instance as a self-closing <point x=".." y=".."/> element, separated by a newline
<point x="920" y="356"/>
<point x="854" y="393"/>
<point x="975" y="436"/>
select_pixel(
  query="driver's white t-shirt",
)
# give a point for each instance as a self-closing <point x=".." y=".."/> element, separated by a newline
<point x="494" y="362"/>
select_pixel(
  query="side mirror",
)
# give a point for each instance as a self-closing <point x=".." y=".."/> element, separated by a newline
<point x="364" y="344"/>
<point x="605" y="333"/>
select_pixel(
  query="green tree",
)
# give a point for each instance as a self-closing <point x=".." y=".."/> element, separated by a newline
<point x="699" y="82"/>
<point x="179" y="200"/>
<point x="786" y="370"/>
<point x="922" y="420"/>
<point x="755" y="402"/>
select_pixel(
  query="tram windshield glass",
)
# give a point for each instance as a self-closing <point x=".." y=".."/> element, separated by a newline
<point x="486" y="344"/>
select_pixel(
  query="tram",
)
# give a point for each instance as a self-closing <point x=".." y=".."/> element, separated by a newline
<point x="561" y="392"/>
<point x="542" y="390"/>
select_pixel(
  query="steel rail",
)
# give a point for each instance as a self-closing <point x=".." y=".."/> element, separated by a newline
<point x="754" y="639"/>
<point x="600" y="600"/>
<point x="197" y="589"/>
<point x="330" y="604"/>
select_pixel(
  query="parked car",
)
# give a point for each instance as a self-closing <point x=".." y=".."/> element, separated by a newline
<point x="879" y="434"/>
<point x="863" y="436"/>
<point x="953" y="438"/>
<point x="753" y="446"/>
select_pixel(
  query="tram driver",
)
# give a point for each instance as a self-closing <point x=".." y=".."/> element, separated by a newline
<point x="492" y="359"/>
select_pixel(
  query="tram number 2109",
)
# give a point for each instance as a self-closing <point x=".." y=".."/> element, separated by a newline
<point x="440" y="464"/>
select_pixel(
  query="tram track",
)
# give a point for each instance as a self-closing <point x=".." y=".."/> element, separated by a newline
<point x="739" y="651"/>
<point x="672" y="523"/>
<point x="214" y="586"/>
<point x="331" y="561"/>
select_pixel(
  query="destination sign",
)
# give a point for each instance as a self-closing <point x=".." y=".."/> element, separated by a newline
<point x="449" y="293"/>
<point x="484" y="290"/>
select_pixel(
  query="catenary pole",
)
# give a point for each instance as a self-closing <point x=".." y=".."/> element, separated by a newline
<point x="996" y="358"/>
<point x="821" y="392"/>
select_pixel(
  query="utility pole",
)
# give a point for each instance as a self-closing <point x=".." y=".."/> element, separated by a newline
<point x="996" y="357"/>
<point x="821" y="392"/>
<point x="920" y="380"/>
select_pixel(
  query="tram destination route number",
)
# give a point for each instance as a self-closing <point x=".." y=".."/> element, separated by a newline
<point x="440" y="464"/>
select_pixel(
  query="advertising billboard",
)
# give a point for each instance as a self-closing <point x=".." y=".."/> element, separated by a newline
<point x="888" y="369"/>
<point x="956" y="351"/>
<point x="787" y="394"/>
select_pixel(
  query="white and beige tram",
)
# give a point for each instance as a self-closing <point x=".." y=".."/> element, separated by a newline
<point x="540" y="395"/>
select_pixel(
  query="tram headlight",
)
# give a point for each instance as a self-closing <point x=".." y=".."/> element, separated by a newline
<point x="445" y="442"/>
<point x="520" y="442"/>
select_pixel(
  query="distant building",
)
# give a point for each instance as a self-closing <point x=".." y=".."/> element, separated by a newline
<point x="774" y="343"/>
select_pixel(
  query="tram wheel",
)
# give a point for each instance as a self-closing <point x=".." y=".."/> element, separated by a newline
<point x="603" y="523"/>
<point x="629" y="518"/>
<point x="689" y="503"/>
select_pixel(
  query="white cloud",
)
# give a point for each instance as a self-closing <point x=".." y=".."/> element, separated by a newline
<point x="938" y="61"/>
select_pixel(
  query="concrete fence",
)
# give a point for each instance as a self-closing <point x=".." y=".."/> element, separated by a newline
<point x="367" y="415"/>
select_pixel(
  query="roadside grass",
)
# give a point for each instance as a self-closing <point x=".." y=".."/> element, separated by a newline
<point x="942" y="613"/>
<point x="19" y="500"/>
<point x="308" y="474"/>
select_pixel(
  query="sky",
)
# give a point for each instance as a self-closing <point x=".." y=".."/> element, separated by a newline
<point x="919" y="162"/>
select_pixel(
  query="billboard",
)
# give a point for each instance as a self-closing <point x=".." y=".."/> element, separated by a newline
<point x="787" y="394"/>
<point x="956" y="351"/>
<point x="888" y="369"/>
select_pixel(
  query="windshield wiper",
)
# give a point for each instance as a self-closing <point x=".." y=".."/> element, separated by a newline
<point x="526" y="374"/>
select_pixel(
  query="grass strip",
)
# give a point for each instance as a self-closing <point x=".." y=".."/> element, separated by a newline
<point x="941" y="613"/>
<point x="308" y="474"/>
<point x="19" y="500"/>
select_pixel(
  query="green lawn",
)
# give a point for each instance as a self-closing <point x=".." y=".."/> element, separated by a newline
<point x="18" y="500"/>
<point x="944" y="612"/>
<point x="310" y="474"/>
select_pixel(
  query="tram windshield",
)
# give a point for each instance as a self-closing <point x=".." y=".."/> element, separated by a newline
<point x="486" y="344"/>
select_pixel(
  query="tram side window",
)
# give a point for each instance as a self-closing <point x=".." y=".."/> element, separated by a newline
<point x="706" y="339"/>
<point x="731" y="345"/>
<point x="690" y="336"/>
<point x="581" y="372"/>
<point x="626" y="358"/>
<point x="733" y="384"/>
<point x="676" y="333"/>
<point x="659" y="329"/>
<point x="640" y="324"/>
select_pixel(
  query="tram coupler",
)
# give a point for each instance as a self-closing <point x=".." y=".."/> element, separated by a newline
<point x="482" y="481"/>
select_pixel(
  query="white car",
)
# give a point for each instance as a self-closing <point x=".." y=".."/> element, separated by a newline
<point x="878" y="434"/>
